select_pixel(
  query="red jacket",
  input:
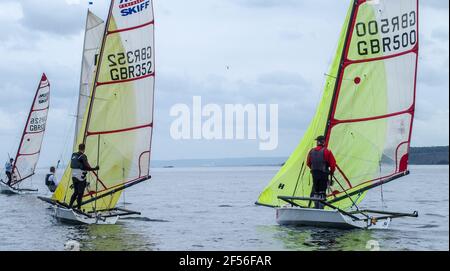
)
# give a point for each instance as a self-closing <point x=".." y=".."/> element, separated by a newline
<point x="329" y="158"/>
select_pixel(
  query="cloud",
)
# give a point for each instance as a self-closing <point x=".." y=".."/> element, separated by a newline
<point x="438" y="4"/>
<point x="267" y="3"/>
<point x="10" y="12"/>
<point x="54" y="17"/>
<point x="440" y="34"/>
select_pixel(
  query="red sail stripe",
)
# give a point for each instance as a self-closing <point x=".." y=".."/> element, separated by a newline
<point x="120" y="130"/>
<point x="131" y="4"/>
<point x="126" y="80"/>
<point x="130" y="28"/>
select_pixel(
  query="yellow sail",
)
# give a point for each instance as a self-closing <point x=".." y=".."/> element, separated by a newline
<point x="117" y="126"/>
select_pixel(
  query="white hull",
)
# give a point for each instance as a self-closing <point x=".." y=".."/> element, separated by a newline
<point x="70" y="216"/>
<point x="323" y="218"/>
<point x="6" y="189"/>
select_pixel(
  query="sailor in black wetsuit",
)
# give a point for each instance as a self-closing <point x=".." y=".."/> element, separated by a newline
<point x="50" y="180"/>
<point x="9" y="171"/>
<point x="80" y="167"/>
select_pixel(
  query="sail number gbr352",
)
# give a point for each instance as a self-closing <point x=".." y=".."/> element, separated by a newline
<point x="131" y="65"/>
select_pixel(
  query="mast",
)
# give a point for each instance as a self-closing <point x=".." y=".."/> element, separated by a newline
<point x="81" y="82"/>
<point x="99" y="66"/>
<point x="92" y="42"/>
<point x="341" y="69"/>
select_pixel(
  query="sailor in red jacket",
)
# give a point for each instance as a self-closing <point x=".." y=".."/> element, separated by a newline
<point x="322" y="163"/>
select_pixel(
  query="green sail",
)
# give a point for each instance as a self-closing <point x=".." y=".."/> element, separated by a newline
<point x="367" y="107"/>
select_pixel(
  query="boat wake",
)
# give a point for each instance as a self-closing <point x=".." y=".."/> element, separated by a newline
<point x="145" y="219"/>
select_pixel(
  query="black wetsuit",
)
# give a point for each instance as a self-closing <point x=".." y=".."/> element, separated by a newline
<point x="50" y="184"/>
<point x="9" y="176"/>
<point x="320" y="174"/>
<point x="79" y="162"/>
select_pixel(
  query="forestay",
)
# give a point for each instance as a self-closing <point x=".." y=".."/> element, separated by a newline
<point x="367" y="108"/>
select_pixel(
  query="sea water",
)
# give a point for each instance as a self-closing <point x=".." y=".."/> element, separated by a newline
<point x="213" y="209"/>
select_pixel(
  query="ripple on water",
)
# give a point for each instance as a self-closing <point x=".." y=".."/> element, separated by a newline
<point x="428" y="226"/>
<point x="436" y="215"/>
<point x="145" y="219"/>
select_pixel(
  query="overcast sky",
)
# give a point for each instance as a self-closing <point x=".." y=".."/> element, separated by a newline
<point x="278" y="52"/>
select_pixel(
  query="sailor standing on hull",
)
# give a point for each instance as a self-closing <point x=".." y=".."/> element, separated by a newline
<point x="9" y="171"/>
<point x="322" y="163"/>
<point x="80" y="167"/>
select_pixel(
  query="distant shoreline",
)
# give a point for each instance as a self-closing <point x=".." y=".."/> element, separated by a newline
<point x="419" y="156"/>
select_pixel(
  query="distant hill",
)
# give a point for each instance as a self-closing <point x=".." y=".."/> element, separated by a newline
<point x="429" y="156"/>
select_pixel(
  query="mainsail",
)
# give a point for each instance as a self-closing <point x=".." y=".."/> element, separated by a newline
<point x="367" y="108"/>
<point x="117" y="125"/>
<point x="33" y="134"/>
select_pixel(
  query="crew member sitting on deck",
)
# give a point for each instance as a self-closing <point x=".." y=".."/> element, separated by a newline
<point x="322" y="163"/>
<point x="9" y="171"/>
<point x="80" y="167"/>
<point x="50" y="180"/>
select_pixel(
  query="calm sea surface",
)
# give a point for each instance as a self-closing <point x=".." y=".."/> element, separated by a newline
<point x="212" y="209"/>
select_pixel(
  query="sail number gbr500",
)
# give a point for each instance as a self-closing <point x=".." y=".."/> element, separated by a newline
<point x="387" y="35"/>
<point x="130" y="65"/>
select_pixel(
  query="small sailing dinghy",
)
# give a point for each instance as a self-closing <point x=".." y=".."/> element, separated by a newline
<point x="29" y="149"/>
<point x="366" y="113"/>
<point x="115" y="113"/>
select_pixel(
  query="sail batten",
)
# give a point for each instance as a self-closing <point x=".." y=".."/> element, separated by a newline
<point x="369" y="105"/>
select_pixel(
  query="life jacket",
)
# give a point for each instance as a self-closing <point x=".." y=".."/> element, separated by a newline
<point x="75" y="162"/>
<point x="47" y="180"/>
<point x="318" y="162"/>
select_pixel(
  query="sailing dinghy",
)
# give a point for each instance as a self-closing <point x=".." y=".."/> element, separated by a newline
<point x="366" y="113"/>
<point x="115" y="115"/>
<point x="29" y="149"/>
